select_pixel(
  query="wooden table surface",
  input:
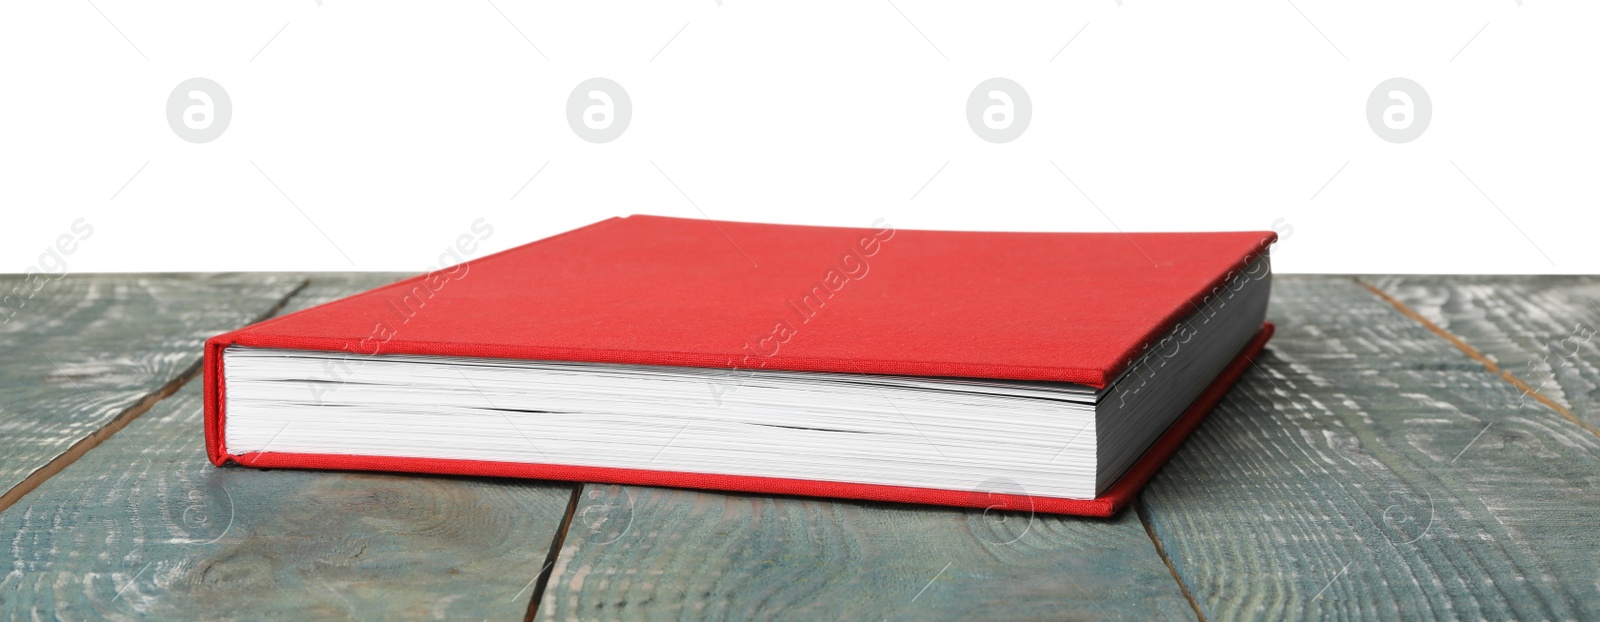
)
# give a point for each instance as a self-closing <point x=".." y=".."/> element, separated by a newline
<point x="1407" y="447"/>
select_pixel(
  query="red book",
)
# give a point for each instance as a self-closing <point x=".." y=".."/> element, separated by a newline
<point x="1051" y="372"/>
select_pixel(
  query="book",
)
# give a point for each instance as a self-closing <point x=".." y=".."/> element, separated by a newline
<point x="1045" y="372"/>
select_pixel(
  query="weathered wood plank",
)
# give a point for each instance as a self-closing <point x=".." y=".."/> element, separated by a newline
<point x="1541" y="329"/>
<point x="1369" y="469"/>
<point x="144" y="527"/>
<point x="639" y="553"/>
<point x="82" y="350"/>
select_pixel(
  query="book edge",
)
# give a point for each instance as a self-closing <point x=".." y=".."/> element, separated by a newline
<point x="212" y="381"/>
<point x="1108" y="504"/>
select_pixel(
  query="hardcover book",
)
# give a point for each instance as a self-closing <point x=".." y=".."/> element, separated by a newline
<point x="1047" y="372"/>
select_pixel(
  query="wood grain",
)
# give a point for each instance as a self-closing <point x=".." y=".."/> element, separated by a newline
<point x="1366" y="468"/>
<point x="85" y="349"/>
<point x="143" y="527"/>
<point x="1543" y="329"/>
<point x="639" y="553"/>
<point x="1369" y="469"/>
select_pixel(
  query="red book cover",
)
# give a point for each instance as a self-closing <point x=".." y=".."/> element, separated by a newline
<point x="1067" y="307"/>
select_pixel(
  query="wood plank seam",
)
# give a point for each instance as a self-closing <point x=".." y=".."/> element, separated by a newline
<point x="1144" y="519"/>
<point x="1475" y="355"/>
<point x="542" y="580"/>
<point x="99" y="435"/>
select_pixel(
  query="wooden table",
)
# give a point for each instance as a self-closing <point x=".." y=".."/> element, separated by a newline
<point x="1407" y="447"/>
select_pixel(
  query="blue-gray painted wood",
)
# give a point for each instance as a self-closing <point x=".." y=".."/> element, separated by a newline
<point x="642" y="553"/>
<point x="1543" y="329"/>
<point x="143" y="527"/>
<point x="1368" y="469"/>
<point x="84" y="349"/>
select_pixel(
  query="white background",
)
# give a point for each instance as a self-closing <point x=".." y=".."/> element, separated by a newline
<point x="391" y="127"/>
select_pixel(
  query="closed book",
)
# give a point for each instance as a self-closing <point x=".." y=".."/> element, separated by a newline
<point x="1046" y="372"/>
